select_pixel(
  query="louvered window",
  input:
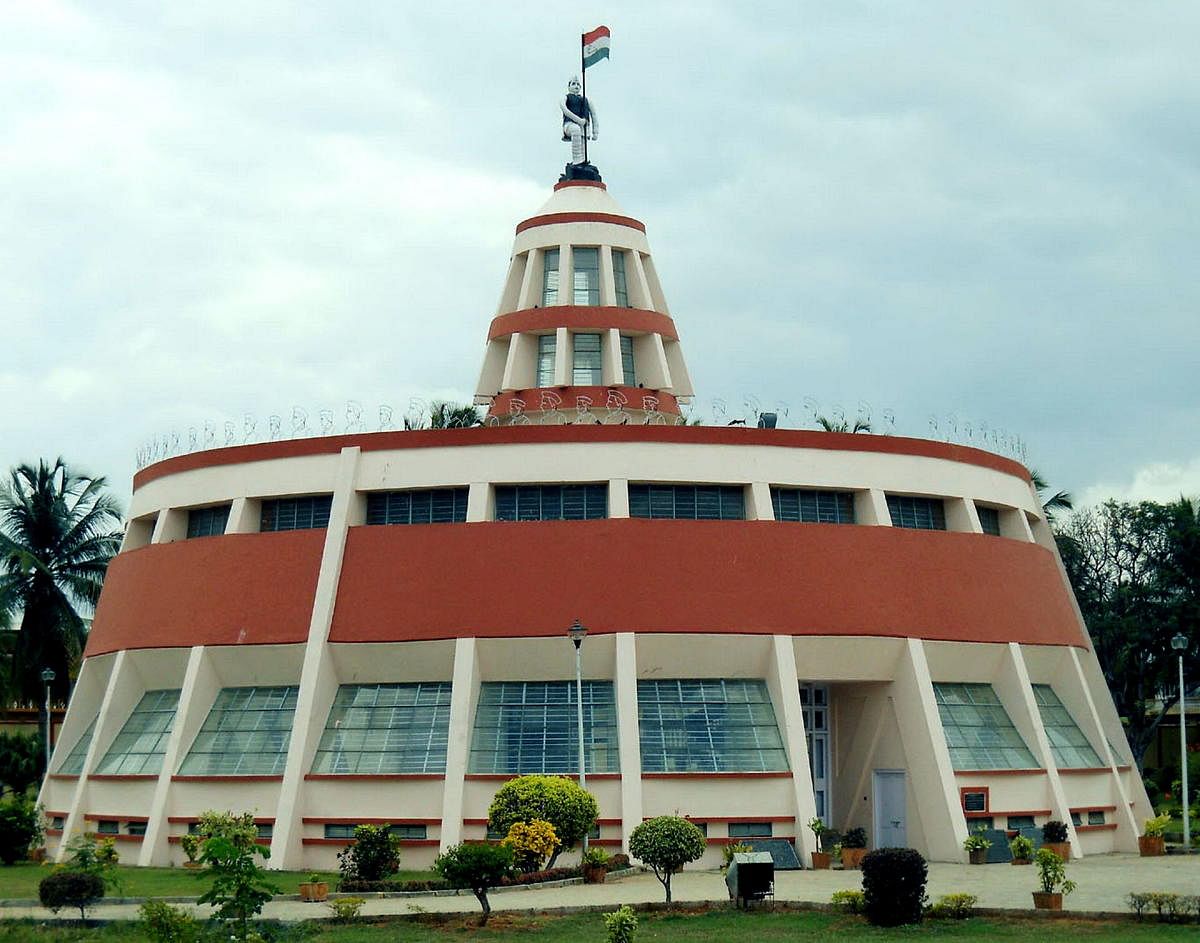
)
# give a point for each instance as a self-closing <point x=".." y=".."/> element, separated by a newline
<point x="139" y="747"/>
<point x="586" y="368"/>
<point x="386" y="728"/>
<point x="545" y="359"/>
<point x="550" y="278"/>
<point x="245" y="734"/>
<point x="627" y="365"/>
<point x="813" y="507"/>
<point x="620" y="286"/>
<point x="979" y="732"/>
<point x="586" y="264"/>
<point x="989" y="520"/>
<point x="918" y="513"/>
<point x="208" y="522"/>
<point x="688" y="502"/>
<point x="432" y="506"/>
<point x="296" y="513"/>
<point x="551" y="502"/>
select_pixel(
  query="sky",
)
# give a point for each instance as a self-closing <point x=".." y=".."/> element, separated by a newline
<point x="965" y="216"/>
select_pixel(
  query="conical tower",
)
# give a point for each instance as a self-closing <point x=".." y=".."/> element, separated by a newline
<point x="582" y="333"/>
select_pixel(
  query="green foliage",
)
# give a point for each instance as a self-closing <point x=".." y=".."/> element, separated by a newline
<point x="621" y="925"/>
<point x="22" y="761"/>
<point x="1052" y="872"/>
<point x="976" y="842"/>
<point x="1168" y="907"/>
<point x="532" y="844"/>
<point x="476" y="867"/>
<point x="20" y="828"/>
<point x="554" y="799"/>
<point x="848" y="901"/>
<point x="1157" y="826"/>
<point x="163" y="923"/>
<point x="91" y="855"/>
<point x="1021" y="848"/>
<point x="1055" y="832"/>
<point x="894" y="886"/>
<point x="954" y="906"/>
<point x="727" y="853"/>
<point x="816" y="826"/>
<point x="855" y="838"/>
<point x="374" y="856"/>
<point x="345" y="909"/>
<point x="190" y="844"/>
<point x="596" y="857"/>
<point x="239" y="886"/>
<point x="666" y="844"/>
<point x="67" y="888"/>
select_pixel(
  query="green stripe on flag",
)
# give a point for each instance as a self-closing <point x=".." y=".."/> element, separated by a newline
<point x="595" y="56"/>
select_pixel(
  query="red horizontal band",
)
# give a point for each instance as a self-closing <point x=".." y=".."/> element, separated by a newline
<point x="998" y="772"/>
<point x="1093" y="808"/>
<point x="554" y="219"/>
<point x="1107" y="826"/>
<point x="583" y="318"/>
<point x="563" y="184"/>
<point x="740" y="819"/>
<point x="992" y="814"/>
<point x="176" y="839"/>
<point x="189" y="819"/>
<point x="96" y="817"/>
<point x="634" y="399"/>
<point x="1083" y="770"/>
<point x="121" y="777"/>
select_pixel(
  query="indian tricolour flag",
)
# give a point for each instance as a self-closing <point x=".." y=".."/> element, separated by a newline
<point x="595" y="46"/>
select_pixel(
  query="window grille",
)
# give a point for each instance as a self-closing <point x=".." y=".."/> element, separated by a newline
<point x="620" y="286"/>
<point x="432" y="506"/>
<point x="586" y="368"/>
<point x="1070" y="747"/>
<point x="545" y="359"/>
<point x="73" y="764"/>
<point x="627" y="365"/>
<point x="716" y="725"/>
<point x="979" y="732"/>
<point x="1096" y="817"/>
<point x="989" y="520"/>
<point x="386" y="729"/>
<point x="296" y="513"/>
<point x="135" y="828"/>
<point x="108" y="827"/>
<point x="918" y="513"/>
<point x="551" y="502"/>
<point x="975" y="801"/>
<point x="140" y="745"/>
<point x="402" y="832"/>
<point x="245" y="734"/>
<point x="208" y="522"/>
<point x="750" y="829"/>
<point x="586" y="265"/>
<point x="813" y="507"/>
<point x="531" y="727"/>
<point x="1018" y="822"/>
<point x="550" y="278"/>
<point x="688" y="502"/>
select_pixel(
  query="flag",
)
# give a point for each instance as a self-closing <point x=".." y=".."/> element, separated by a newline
<point x="595" y="46"/>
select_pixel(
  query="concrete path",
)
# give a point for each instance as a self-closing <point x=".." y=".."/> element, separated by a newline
<point x="1104" y="882"/>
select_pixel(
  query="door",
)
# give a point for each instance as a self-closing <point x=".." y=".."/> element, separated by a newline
<point x="814" y="698"/>
<point x="890" y="809"/>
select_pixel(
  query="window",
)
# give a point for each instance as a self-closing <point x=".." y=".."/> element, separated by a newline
<point x="339" y="830"/>
<point x="690" y="502"/>
<point x="975" y="800"/>
<point x="1096" y="817"/>
<point x="139" y="747"/>
<point x="73" y="764"/>
<point x="245" y="734"/>
<point x="703" y="826"/>
<point x="386" y="728"/>
<point x="58" y="821"/>
<point x="433" y="506"/>
<point x="586" y="263"/>
<point x="813" y="507"/>
<point x="550" y="278"/>
<point x="551" y="502"/>
<point x="409" y="832"/>
<point x="296" y="513"/>
<point x="989" y="520"/>
<point x="627" y="365"/>
<point x="750" y="830"/>
<point x="208" y="522"/>
<point x="979" y="733"/>
<point x="1017" y="822"/>
<point x="1076" y="818"/>
<point x="545" y="359"/>
<point x="135" y="828"/>
<point x="530" y="727"/>
<point x="713" y="725"/>
<point x="620" y="285"/>
<point x="586" y="369"/>
<point x="919" y="513"/>
<point x="264" y="829"/>
<point x="1070" y="747"/>
<point x="108" y="827"/>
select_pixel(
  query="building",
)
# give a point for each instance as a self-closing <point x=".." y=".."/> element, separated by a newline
<point x="872" y="630"/>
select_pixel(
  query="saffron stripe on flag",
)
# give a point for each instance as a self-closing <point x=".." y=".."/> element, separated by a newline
<point x="596" y="34"/>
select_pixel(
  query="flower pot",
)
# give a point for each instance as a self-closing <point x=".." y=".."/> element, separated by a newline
<point x="316" y="891"/>
<point x="1060" y="848"/>
<point x="594" y="875"/>
<point x="852" y="857"/>
<point x="1022" y="861"/>
<point x="978" y="855"/>
<point x="38" y="855"/>
<point x="1151" y="846"/>
<point x="191" y="865"/>
<point x="820" y="861"/>
<point x="1044" y="901"/>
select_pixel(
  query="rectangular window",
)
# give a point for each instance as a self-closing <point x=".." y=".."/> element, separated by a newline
<point x="989" y="520"/>
<point x="813" y="507"/>
<point x="531" y="727"/>
<point x="1070" y="747"/>
<point x="340" y="830"/>
<point x="975" y="800"/>
<point x="551" y="502"/>
<point x="135" y="828"/>
<point x="750" y="829"/>
<point x="382" y="729"/>
<point x="918" y="513"/>
<point x="1017" y="822"/>
<point x="688" y="502"/>
<point x="627" y="365"/>
<point x="550" y="278"/>
<point x="1076" y="818"/>
<point x="545" y="359"/>
<point x="586" y="265"/>
<point x="264" y="829"/>
<point x="432" y="506"/>
<point x="296" y="513"/>
<point x="978" y="730"/>
<point x="208" y="522"/>
<point x="139" y="747"/>
<point x="1096" y="817"/>
<point x="108" y="827"/>
<point x="73" y="764"/>
<point x="409" y="832"/>
<point x="245" y="734"/>
<point x="703" y="826"/>
<point x="709" y="726"/>
<point x="620" y="285"/>
<point x="586" y="367"/>
<point x="58" y="822"/>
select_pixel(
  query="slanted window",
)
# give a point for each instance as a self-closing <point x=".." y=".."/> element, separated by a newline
<point x="431" y="506"/>
<point x="813" y="507"/>
<point x="545" y="359"/>
<point x="108" y="827"/>
<point x="586" y="264"/>
<point x="979" y="732"/>
<point x="989" y="520"/>
<point x="710" y="726"/>
<point x="386" y="729"/>
<point x="918" y="513"/>
<point x="208" y="522"/>
<point x="1070" y="747"/>
<point x="627" y="364"/>
<point x="139" y="747"/>
<point x="586" y="367"/>
<point x="73" y="764"/>
<point x="531" y="727"/>
<point x="1076" y="818"/>
<point x="550" y="278"/>
<point x="245" y="734"/>
<point x="750" y="829"/>
<point x="551" y="502"/>
<point x="620" y="286"/>
<point x="296" y="513"/>
<point x="688" y="502"/>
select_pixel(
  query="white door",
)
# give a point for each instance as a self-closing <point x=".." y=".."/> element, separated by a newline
<point x="890" y="809"/>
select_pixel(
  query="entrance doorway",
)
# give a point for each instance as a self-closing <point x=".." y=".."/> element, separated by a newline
<point x="814" y="698"/>
<point x="891" y="804"/>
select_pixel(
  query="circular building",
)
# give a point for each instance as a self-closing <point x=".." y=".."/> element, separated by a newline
<point x="783" y="625"/>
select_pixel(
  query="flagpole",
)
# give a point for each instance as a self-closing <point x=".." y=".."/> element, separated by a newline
<point x="583" y="91"/>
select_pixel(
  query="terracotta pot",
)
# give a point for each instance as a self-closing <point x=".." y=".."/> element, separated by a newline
<point x="1060" y="848"/>
<point x="1022" y="861"/>
<point x="191" y="865"/>
<point x="314" y="891"/>
<point x="38" y="855"/>
<point x="594" y="875"/>
<point x="1044" y="901"/>
<point x="978" y="855"/>
<point x="820" y="861"/>
<point x="1151" y="846"/>
<point x="852" y="857"/>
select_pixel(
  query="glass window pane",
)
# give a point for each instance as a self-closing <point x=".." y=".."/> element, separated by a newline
<point x="978" y="730"/>
<point x="547" y="344"/>
<point x="140" y="745"/>
<point x="989" y="520"/>
<point x="73" y="764"/>
<point x="549" y="281"/>
<point x="586" y="367"/>
<point x="918" y="513"/>
<point x="620" y="284"/>
<point x="296" y="513"/>
<point x="551" y="502"/>
<point x="436" y="506"/>
<point x="408" y="735"/>
<point x="208" y="522"/>
<point x="1068" y="743"/>
<point x="586" y="263"/>
<point x="246" y="733"/>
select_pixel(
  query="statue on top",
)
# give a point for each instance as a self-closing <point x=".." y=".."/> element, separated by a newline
<point x="579" y="124"/>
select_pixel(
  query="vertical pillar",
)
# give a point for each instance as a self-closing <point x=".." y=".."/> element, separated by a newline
<point x="478" y="502"/>
<point x="618" y="497"/>
<point x="463" y="688"/>
<point x="530" y="294"/>
<point x="791" y="725"/>
<point x="608" y="284"/>
<point x="562" y="359"/>
<point x="566" y="276"/>
<point x="640" y="287"/>
<point x="870" y="507"/>
<point x="628" y="734"/>
<point x="962" y="516"/>
<point x="759" y="507"/>
<point x="612" y="369"/>
<point x="244" y="516"/>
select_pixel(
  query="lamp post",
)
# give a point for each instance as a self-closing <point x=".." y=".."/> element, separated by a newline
<point x="47" y="678"/>
<point x="1179" y="642"/>
<point x="577" y="633"/>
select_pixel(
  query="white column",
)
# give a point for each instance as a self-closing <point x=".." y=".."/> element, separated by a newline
<point x="639" y="288"/>
<point x="759" y="507"/>
<point x="521" y="349"/>
<point x="628" y="734"/>
<point x="962" y="516"/>
<point x="562" y="360"/>
<point x="661" y="369"/>
<point x="786" y="681"/>
<point x="531" y="280"/>
<point x="612" y="370"/>
<point x="566" y="276"/>
<point x="870" y="507"/>
<point x="479" y="502"/>
<point x="245" y="516"/>
<point x="170" y="526"/>
<point x="463" y="694"/>
<point x="608" y="285"/>
<point x="618" y="497"/>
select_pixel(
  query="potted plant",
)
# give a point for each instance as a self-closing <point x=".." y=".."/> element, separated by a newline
<point x="1151" y="843"/>
<point x="314" y="889"/>
<point x="835" y="853"/>
<point x="191" y="847"/>
<point x="1056" y="838"/>
<point x="1022" y="849"/>
<point x="854" y="847"/>
<point x="1052" y="873"/>
<point x="977" y="847"/>
<point x="595" y="866"/>
<point x="820" y="859"/>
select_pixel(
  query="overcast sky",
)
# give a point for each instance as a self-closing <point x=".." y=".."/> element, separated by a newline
<point x="985" y="211"/>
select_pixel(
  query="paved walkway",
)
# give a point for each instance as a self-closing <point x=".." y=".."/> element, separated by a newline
<point x="1104" y="881"/>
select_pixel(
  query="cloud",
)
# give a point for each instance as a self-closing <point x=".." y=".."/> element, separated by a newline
<point x="1158" y="481"/>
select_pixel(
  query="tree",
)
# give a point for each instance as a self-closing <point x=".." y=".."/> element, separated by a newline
<point x="20" y="828"/>
<point x="562" y="802"/>
<point x="1059" y="501"/>
<point x="532" y="843"/>
<point x="667" y="843"/>
<point x="58" y="531"/>
<point x="374" y="856"/>
<point x="22" y="758"/>
<point x="443" y="415"/>
<point x="477" y="867"/>
<point x="240" y="887"/>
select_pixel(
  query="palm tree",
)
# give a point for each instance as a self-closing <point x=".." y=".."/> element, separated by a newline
<point x="1059" y="501"/>
<point x="452" y="416"/>
<point x="58" y="530"/>
<point x="843" y="425"/>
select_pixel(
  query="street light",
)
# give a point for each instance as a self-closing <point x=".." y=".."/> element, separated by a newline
<point x="47" y="678"/>
<point x="1179" y="642"/>
<point x="577" y="633"/>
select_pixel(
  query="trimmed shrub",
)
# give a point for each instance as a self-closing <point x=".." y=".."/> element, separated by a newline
<point x="477" y="867"/>
<point x="391" y="887"/>
<point x="532" y="843"/>
<point x="855" y="838"/>
<point x="345" y="909"/>
<point x="163" y="923"/>
<point x="667" y="843"/>
<point x="374" y="856"/>
<point x="554" y="799"/>
<point x="1054" y="832"/>
<point x="20" y="828"/>
<point x="954" y="906"/>
<point x="539" y="877"/>
<point x="70" y="889"/>
<point x="850" y="902"/>
<point x="621" y="925"/>
<point x="894" y="886"/>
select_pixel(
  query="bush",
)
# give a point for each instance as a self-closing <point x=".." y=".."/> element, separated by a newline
<point x="855" y="838"/>
<point x="894" y="886"/>
<point x="239" y="886"/>
<point x="374" y="856"/>
<point x="954" y="906"/>
<point x="163" y="923"/>
<point x="976" y="842"/>
<point x="1054" y="832"/>
<point x="539" y="877"/>
<point x="91" y="855"/>
<point x="477" y="867"/>
<point x="667" y="843"/>
<point x="850" y="902"/>
<point x="22" y="758"/>
<point x="20" y="828"/>
<point x="345" y="909"/>
<point x="596" y="857"/>
<point x="389" y="887"/>
<point x="554" y="799"/>
<point x="1157" y="826"/>
<point x="532" y="843"/>
<point x="621" y="925"/>
<point x="1021" y="848"/>
<point x="70" y="889"/>
<point x="1052" y="872"/>
<point x="191" y="846"/>
<point x="1171" y="908"/>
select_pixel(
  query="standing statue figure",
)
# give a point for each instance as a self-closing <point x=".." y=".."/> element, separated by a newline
<point x="579" y="120"/>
